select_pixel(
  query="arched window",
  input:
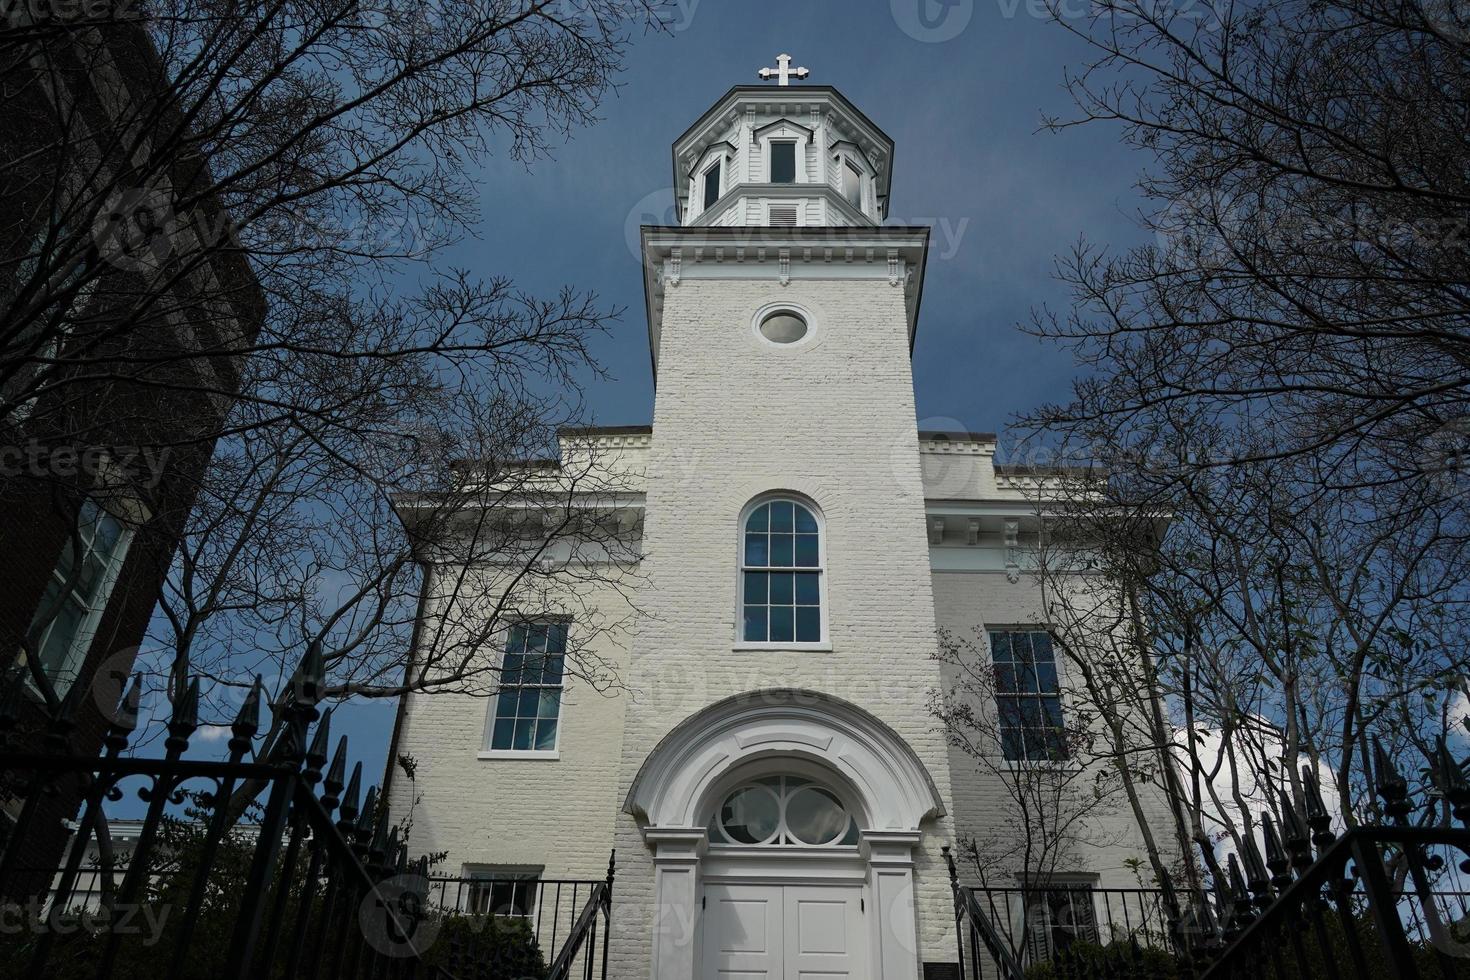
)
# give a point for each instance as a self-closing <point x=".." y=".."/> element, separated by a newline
<point x="782" y="811"/>
<point x="781" y="571"/>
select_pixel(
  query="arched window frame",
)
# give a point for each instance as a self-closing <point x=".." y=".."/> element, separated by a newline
<point x="824" y="642"/>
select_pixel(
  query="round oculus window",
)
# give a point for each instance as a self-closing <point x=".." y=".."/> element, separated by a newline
<point x="783" y="327"/>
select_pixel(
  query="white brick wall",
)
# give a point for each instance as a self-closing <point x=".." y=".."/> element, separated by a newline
<point x="834" y="421"/>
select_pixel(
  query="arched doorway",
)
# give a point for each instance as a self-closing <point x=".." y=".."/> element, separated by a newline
<point x="782" y="825"/>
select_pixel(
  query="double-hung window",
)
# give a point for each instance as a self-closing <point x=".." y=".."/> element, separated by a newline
<point x="1027" y="696"/>
<point x="76" y="594"/>
<point x="781" y="572"/>
<point x="527" y="711"/>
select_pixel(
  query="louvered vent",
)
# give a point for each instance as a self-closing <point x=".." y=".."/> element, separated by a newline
<point x="783" y="215"/>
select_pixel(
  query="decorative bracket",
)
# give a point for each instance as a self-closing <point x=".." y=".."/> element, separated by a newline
<point x="783" y="262"/>
<point x="1013" y="547"/>
<point x="936" y="530"/>
<point x="675" y="268"/>
<point x="894" y="277"/>
<point x="972" y="531"/>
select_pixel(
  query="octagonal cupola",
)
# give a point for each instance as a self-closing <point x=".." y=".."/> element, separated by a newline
<point x="782" y="155"/>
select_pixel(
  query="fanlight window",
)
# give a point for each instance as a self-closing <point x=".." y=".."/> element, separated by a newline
<point x="782" y="811"/>
<point x="781" y="568"/>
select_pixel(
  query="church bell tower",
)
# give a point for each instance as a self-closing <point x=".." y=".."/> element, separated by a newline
<point x="784" y="658"/>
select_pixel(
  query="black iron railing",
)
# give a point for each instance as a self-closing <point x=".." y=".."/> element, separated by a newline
<point x="553" y="908"/>
<point x="1382" y="901"/>
<point x="318" y="885"/>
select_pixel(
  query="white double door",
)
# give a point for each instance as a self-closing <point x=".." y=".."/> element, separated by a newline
<point x="784" y="932"/>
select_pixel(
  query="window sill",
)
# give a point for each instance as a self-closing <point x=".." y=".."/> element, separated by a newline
<point x="527" y="754"/>
<point x="797" y="647"/>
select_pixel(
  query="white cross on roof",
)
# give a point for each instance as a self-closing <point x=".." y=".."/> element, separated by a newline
<point x="784" y="73"/>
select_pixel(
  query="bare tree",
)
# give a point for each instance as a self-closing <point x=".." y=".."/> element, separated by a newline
<point x="1049" y="811"/>
<point x="1280" y="376"/>
<point x="240" y="210"/>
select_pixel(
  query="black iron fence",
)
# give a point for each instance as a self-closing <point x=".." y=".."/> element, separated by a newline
<point x="317" y="882"/>
<point x="1383" y="901"/>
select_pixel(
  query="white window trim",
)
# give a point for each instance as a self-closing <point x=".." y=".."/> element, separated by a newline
<point x="785" y="134"/>
<point x="696" y="188"/>
<point x="68" y="672"/>
<point x="810" y="339"/>
<point x="825" y="643"/>
<point x="544" y="755"/>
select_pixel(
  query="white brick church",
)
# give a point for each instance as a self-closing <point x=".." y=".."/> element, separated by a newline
<point x="769" y="772"/>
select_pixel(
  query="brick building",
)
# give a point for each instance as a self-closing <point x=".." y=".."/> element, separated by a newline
<point x="117" y="311"/>
<point x="770" y="774"/>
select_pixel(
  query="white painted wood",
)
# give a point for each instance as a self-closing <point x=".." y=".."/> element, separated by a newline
<point x="784" y="932"/>
<point x="743" y="932"/>
<point x="824" y="934"/>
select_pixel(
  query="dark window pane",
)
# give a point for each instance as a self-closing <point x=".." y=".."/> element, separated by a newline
<point x="1000" y="647"/>
<point x="505" y="705"/>
<point x="1046" y="677"/>
<point x="556" y="638"/>
<point x="755" y="624"/>
<point x="1052" y="707"/>
<point x="1011" y="745"/>
<point x="756" y="550"/>
<point x="504" y="729"/>
<point x="759" y="519"/>
<point x="550" y="704"/>
<point x="1041" y="644"/>
<point x="808" y="624"/>
<point x="755" y="587"/>
<point x="782" y="516"/>
<point x="805" y="522"/>
<point x="1026" y="676"/>
<point x="712" y="185"/>
<point x="783" y="630"/>
<point x="525" y="728"/>
<point x="806" y="550"/>
<point x="551" y="673"/>
<point x="781" y="589"/>
<point x="516" y="641"/>
<point x="1005" y="678"/>
<point x="536" y="637"/>
<point x="1010" y="711"/>
<point x="781" y="550"/>
<point x="1030" y="712"/>
<point x="1021" y="647"/>
<point x="530" y="697"/>
<point x="808" y="589"/>
<point x="783" y="163"/>
<point x="510" y="670"/>
<point x="546" y="735"/>
<point x="852" y="185"/>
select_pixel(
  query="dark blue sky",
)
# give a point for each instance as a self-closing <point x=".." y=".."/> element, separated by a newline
<point x="963" y="101"/>
<point x="1002" y="198"/>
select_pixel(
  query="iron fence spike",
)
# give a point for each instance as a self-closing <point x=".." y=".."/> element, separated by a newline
<point x="316" y="755"/>
<point x="247" y="721"/>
